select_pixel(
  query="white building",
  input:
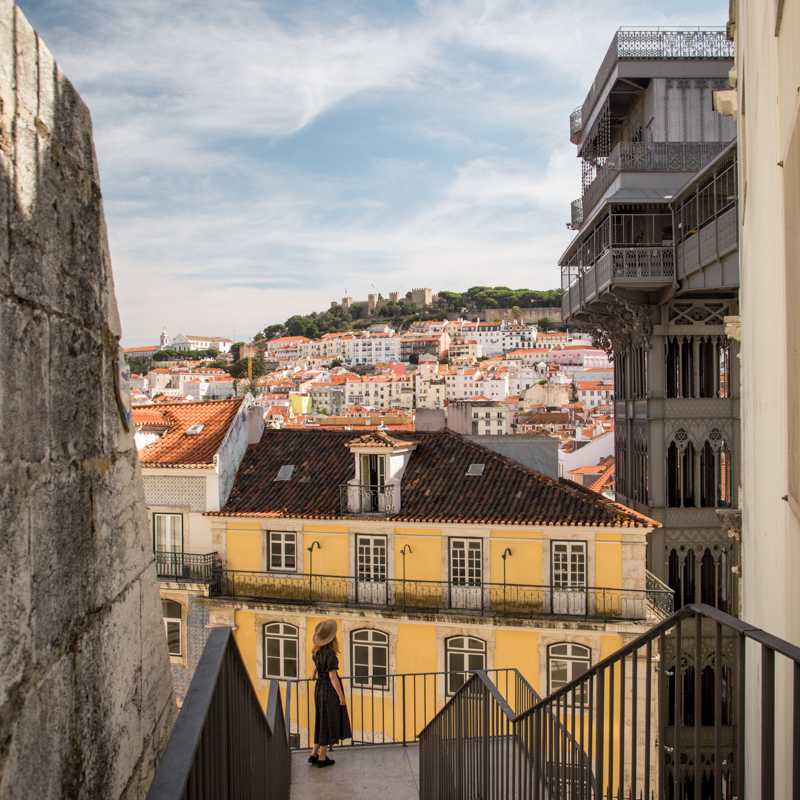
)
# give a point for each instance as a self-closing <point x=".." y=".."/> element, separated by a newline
<point x="373" y="348"/>
<point x="182" y="342"/>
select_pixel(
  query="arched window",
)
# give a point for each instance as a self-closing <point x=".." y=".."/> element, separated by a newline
<point x="680" y="472"/>
<point x="370" y="659"/>
<point x="462" y="654"/>
<point x="281" y="645"/>
<point x="565" y="662"/>
<point x="171" y="611"/>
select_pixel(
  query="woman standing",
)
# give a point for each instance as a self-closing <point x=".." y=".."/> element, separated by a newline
<point x="332" y="722"/>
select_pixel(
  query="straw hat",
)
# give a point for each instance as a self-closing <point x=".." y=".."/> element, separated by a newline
<point x="325" y="632"/>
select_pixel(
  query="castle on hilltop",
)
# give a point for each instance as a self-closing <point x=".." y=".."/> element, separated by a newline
<point x="374" y="302"/>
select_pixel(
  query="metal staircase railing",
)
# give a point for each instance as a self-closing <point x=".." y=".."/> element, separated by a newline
<point x="662" y="717"/>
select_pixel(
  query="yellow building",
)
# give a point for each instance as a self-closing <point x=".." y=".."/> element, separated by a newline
<point x="434" y="555"/>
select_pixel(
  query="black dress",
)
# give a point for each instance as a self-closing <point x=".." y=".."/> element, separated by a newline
<point x="332" y="723"/>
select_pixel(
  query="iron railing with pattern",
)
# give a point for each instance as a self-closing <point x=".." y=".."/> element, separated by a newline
<point x="655" y="44"/>
<point x="511" y="600"/>
<point x="628" y="266"/>
<point x="656" y="585"/>
<point x="386" y="708"/>
<point x="358" y="498"/>
<point x="575" y="124"/>
<point x="649" y="157"/>
<point x="664" y="716"/>
<point x="577" y="213"/>
<point x="174" y="566"/>
<point x="480" y="747"/>
<point x="222" y="744"/>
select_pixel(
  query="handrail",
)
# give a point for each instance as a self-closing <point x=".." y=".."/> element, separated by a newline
<point x="504" y="599"/>
<point x="222" y="744"/>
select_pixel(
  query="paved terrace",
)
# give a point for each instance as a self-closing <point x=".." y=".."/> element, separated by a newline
<point x="388" y="772"/>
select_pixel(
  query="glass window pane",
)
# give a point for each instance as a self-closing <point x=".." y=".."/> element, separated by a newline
<point x="273" y="648"/>
<point x="379" y="655"/>
<point x="456" y="662"/>
<point x="174" y="638"/>
<point x="290" y="649"/>
<point x="290" y="668"/>
<point x="475" y="661"/>
<point x="274" y="667"/>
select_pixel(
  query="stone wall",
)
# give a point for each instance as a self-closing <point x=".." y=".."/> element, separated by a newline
<point x="529" y="315"/>
<point x="86" y="700"/>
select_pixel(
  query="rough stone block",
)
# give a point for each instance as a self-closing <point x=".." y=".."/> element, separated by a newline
<point x="15" y="578"/>
<point x="109" y="679"/>
<point x="45" y="749"/>
<point x="24" y="422"/>
<point x="75" y="405"/>
<point x="26" y="77"/>
<point x="7" y="20"/>
<point x="61" y="556"/>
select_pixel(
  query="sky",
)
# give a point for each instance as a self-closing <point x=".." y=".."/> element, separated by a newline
<point x="260" y="159"/>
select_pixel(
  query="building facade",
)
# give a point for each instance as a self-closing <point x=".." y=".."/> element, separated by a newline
<point x="653" y="270"/>
<point x="416" y="545"/>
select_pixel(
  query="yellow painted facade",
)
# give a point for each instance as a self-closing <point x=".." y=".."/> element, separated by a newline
<point x="417" y="641"/>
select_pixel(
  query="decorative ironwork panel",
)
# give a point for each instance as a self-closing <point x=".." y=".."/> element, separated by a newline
<point x="366" y="498"/>
<point x="575" y="122"/>
<point x="197" y="567"/>
<point x="577" y="212"/>
<point x="175" y="490"/>
<point x="728" y="229"/>
<point x="708" y="245"/>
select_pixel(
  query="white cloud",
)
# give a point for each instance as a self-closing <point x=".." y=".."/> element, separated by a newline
<point x="231" y="192"/>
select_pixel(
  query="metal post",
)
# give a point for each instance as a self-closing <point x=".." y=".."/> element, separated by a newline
<point x="404" y="702"/>
<point x="311" y="568"/>
<point x="506" y="553"/>
<point x="403" y="553"/>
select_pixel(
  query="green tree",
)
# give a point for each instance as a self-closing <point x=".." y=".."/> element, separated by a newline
<point x="296" y="326"/>
<point x="274" y="331"/>
<point x="543" y="324"/>
<point x="238" y="370"/>
<point x="517" y="312"/>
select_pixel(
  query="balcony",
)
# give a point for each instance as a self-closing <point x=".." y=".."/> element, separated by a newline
<point x="649" y="157"/>
<point x="577" y="214"/>
<point x="355" y="498"/>
<point x="437" y="597"/>
<point x="575" y="125"/>
<point x="641" y="45"/>
<point x="629" y="267"/>
<point x="189" y="567"/>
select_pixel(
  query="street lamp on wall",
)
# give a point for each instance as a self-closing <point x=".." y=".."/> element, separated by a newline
<point x="311" y="567"/>
<point x="403" y="553"/>
<point x="507" y="552"/>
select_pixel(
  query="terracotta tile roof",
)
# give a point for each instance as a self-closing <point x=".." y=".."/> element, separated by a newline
<point x="176" y="448"/>
<point x="606" y="479"/>
<point x="435" y="486"/>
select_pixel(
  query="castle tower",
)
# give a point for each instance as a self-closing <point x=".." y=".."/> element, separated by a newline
<point x="394" y="297"/>
<point x="372" y="302"/>
<point x="422" y="297"/>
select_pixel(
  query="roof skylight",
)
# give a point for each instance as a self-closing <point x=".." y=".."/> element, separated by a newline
<point x="285" y="472"/>
<point x="475" y="469"/>
<point x="194" y="429"/>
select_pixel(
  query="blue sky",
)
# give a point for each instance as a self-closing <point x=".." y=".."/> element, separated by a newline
<point x="259" y="158"/>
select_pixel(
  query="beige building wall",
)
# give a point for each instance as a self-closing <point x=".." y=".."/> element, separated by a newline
<point x="767" y="35"/>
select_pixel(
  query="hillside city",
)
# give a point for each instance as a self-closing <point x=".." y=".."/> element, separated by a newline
<point x="497" y="378"/>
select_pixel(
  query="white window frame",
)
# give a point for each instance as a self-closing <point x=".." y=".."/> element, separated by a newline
<point x="572" y="548"/>
<point x="371" y="642"/>
<point x="282" y="538"/>
<point x="453" y="682"/>
<point x="469" y="548"/>
<point x="173" y="621"/>
<point x="283" y="632"/>
<point x="170" y="534"/>
<point x="576" y="655"/>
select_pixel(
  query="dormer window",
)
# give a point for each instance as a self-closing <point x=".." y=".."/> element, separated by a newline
<point x="194" y="429"/>
<point x="380" y="461"/>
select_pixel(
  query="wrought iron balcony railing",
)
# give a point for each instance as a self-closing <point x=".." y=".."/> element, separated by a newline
<point x="655" y="44"/>
<point x="577" y="213"/>
<point x="363" y="498"/>
<point x="575" y="124"/>
<point x="486" y="599"/>
<point x="649" y="157"/>
<point x="174" y="566"/>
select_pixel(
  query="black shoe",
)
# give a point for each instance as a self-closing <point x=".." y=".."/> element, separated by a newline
<point x="328" y="762"/>
<point x="313" y="759"/>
